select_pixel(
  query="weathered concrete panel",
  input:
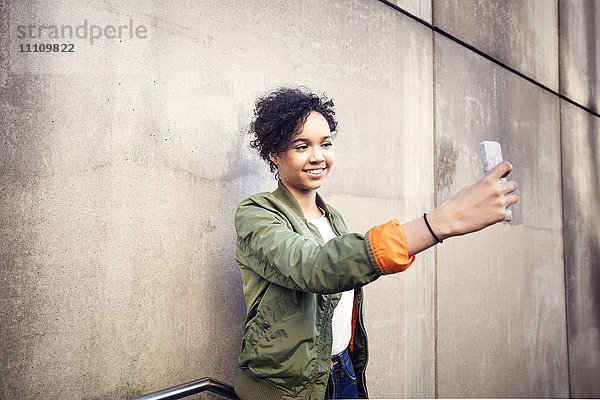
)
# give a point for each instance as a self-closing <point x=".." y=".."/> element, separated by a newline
<point x="579" y="51"/>
<point x="122" y="165"/>
<point x="581" y="196"/>
<point x="419" y="8"/>
<point x="384" y="165"/>
<point x="501" y="305"/>
<point x="393" y="116"/>
<point x="521" y="34"/>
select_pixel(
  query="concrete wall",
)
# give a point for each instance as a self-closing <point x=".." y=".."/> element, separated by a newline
<point x="122" y="164"/>
<point x="579" y="55"/>
<point x="501" y="302"/>
<point x="520" y="34"/>
<point x="581" y="195"/>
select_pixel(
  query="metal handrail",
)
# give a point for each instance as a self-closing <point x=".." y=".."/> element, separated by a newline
<point x="190" y="388"/>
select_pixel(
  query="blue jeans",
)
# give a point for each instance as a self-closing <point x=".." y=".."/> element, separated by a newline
<point x="342" y="380"/>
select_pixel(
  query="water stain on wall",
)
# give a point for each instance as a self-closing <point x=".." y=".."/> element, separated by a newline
<point x="446" y="157"/>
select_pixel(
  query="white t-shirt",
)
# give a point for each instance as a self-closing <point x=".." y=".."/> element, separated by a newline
<point x="341" y="322"/>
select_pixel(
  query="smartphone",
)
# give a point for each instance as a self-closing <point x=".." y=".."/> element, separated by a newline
<point x="491" y="155"/>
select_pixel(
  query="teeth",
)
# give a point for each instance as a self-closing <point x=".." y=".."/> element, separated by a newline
<point x="315" y="171"/>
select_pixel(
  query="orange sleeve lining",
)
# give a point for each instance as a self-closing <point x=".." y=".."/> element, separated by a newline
<point x="389" y="249"/>
<point x="354" y="319"/>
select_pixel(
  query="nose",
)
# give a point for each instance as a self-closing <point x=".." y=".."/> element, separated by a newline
<point x="316" y="155"/>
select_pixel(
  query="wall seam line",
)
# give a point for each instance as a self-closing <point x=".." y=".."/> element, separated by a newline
<point x="488" y="57"/>
<point x="565" y="274"/>
<point x="562" y="208"/>
<point x="435" y="203"/>
<point x="436" y="392"/>
<point x="560" y="96"/>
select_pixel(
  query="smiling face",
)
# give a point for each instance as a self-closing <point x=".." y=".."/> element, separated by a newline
<point x="305" y="164"/>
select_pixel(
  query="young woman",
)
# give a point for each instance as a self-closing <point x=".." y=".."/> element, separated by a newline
<point x="302" y="271"/>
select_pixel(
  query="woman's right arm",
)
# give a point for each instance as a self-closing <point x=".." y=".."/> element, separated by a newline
<point x="471" y="209"/>
<point x="267" y="245"/>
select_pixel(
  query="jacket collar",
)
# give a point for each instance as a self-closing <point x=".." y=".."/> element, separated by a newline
<point x="283" y="194"/>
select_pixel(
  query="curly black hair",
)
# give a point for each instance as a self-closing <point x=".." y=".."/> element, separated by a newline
<point x="279" y="117"/>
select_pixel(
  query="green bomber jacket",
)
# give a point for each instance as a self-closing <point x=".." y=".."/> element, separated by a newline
<point x="292" y="283"/>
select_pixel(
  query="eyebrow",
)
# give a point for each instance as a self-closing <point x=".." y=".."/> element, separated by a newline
<point x="306" y="140"/>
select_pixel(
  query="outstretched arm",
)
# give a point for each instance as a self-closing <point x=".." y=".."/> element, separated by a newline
<point x="471" y="209"/>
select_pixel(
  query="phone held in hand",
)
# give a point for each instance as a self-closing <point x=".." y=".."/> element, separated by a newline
<point x="491" y="155"/>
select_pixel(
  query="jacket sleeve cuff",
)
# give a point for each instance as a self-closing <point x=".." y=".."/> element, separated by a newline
<point x="387" y="246"/>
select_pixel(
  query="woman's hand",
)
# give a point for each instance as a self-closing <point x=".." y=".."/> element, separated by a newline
<point x="471" y="209"/>
<point x="476" y="206"/>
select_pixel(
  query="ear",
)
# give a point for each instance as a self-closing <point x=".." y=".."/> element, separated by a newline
<point x="274" y="158"/>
